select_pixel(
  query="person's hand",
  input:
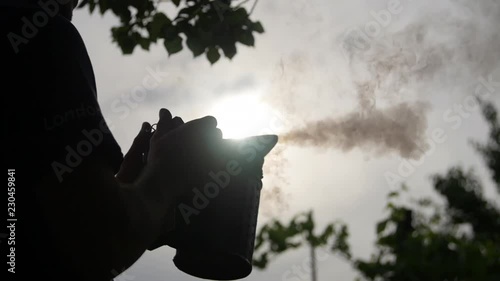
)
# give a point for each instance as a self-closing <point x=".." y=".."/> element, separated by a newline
<point x="175" y="143"/>
<point x="133" y="162"/>
<point x="135" y="159"/>
<point x="173" y="136"/>
<point x="171" y="146"/>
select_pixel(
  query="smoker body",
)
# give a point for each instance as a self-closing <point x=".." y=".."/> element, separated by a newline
<point x="214" y="231"/>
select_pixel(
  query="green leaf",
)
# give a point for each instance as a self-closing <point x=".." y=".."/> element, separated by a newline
<point x="220" y="8"/>
<point x="246" y="38"/>
<point x="195" y="45"/>
<point x="329" y="231"/>
<point x="228" y="49"/>
<point x="127" y="45"/>
<point x="213" y="55"/>
<point x="125" y="16"/>
<point x="381" y="226"/>
<point x="257" y="27"/>
<point x="170" y="32"/>
<point x="144" y="43"/>
<point x="103" y="6"/>
<point x="126" y="41"/>
<point x="173" y="46"/>
<point x="340" y="243"/>
<point x="309" y="224"/>
<point x="160" y="20"/>
<point x="393" y="194"/>
<point x="237" y="17"/>
<point x="92" y="5"/>
<point x="261" y="262"/>
<point x="176" y="2"/>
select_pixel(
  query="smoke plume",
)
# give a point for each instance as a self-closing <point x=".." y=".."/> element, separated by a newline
<point x="436" y="53"/>
<point x="398" y="128"/>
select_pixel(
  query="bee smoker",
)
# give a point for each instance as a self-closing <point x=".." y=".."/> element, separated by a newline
<point x="215" y="223"/>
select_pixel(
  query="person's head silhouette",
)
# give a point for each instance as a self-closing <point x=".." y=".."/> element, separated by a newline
<point x="62" y="7"/>
<point x="67" y="9"/>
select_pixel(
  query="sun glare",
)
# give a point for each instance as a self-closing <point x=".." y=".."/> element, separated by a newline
<point x="244" y="115"/>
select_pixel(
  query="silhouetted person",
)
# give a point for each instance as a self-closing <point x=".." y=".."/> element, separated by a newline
<point x="84" y="211"/>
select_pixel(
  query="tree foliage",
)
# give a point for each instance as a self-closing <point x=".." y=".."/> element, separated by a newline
<point x="275" y="238"/>
<point x="454" y="237"/>
<point x="209" y="27"/>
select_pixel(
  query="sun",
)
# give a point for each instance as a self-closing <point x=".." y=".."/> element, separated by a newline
<point x="245" y="115"/>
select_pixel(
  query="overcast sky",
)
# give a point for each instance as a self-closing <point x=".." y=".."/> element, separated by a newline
<point x="308" y="66"/>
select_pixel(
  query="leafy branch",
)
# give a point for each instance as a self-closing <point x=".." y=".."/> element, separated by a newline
<point x="209" y="27"/>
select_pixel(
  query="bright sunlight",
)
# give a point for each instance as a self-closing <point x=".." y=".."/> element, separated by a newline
<point x="241" y="116"/>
